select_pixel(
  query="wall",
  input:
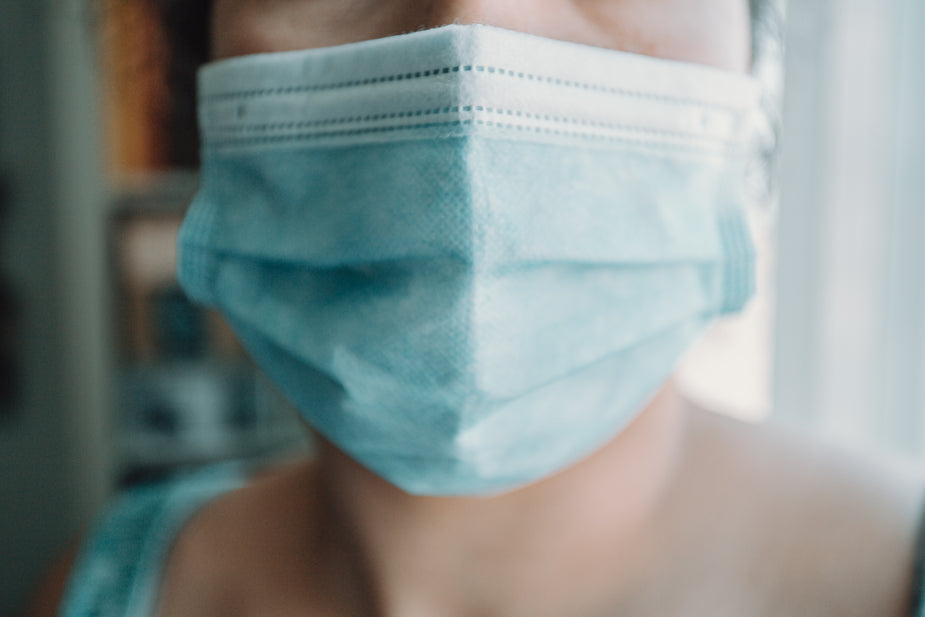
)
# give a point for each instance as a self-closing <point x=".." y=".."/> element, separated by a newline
<point x="850" y="331"/>
<point x="53" y="461"/>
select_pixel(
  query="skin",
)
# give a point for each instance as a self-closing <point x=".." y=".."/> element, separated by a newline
<point x="712" y="32"/>
<point x="683" y="513"/>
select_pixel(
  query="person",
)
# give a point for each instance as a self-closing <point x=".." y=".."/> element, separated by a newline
<point x="664" y="509"/>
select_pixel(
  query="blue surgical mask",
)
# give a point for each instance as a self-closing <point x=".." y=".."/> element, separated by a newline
<point x="469" y="256"/>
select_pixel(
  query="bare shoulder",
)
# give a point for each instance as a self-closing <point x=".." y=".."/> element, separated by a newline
<point x="232" y="551"/>
<point x="831" y="530"/>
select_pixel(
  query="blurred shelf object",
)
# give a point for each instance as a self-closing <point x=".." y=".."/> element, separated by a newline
<point x="190" y="413"/>
<point x="186" y="394"/>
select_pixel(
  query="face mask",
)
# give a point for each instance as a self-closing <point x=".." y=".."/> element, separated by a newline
<point x="469" y="256"/>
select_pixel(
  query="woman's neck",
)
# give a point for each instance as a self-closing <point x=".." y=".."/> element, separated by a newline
<point x="589" y="529"/>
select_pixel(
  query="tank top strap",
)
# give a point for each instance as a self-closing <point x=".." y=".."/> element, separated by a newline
<point x="918" y="580"/>
<point x="120" y="565"/>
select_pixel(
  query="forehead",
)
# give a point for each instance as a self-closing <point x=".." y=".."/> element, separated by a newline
<point x="711" y="32"/>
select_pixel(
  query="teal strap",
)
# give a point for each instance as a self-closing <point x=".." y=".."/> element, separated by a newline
<point x="119" y="570"/>
<point x="918" y="580"/>
<point x="739" y="271"/>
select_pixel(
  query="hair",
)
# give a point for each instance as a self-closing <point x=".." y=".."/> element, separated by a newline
<point x="187" y="24"/>
<point x="187" y="28"/>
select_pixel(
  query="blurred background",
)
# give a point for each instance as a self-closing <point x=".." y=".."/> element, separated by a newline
<point x="109" y="377"/>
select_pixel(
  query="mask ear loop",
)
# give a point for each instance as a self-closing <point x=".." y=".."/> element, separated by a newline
<point x="739" y="256"/>
<point x="198" y="266"/>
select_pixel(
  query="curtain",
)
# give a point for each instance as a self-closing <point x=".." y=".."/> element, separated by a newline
<point x="849" y="330"/>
